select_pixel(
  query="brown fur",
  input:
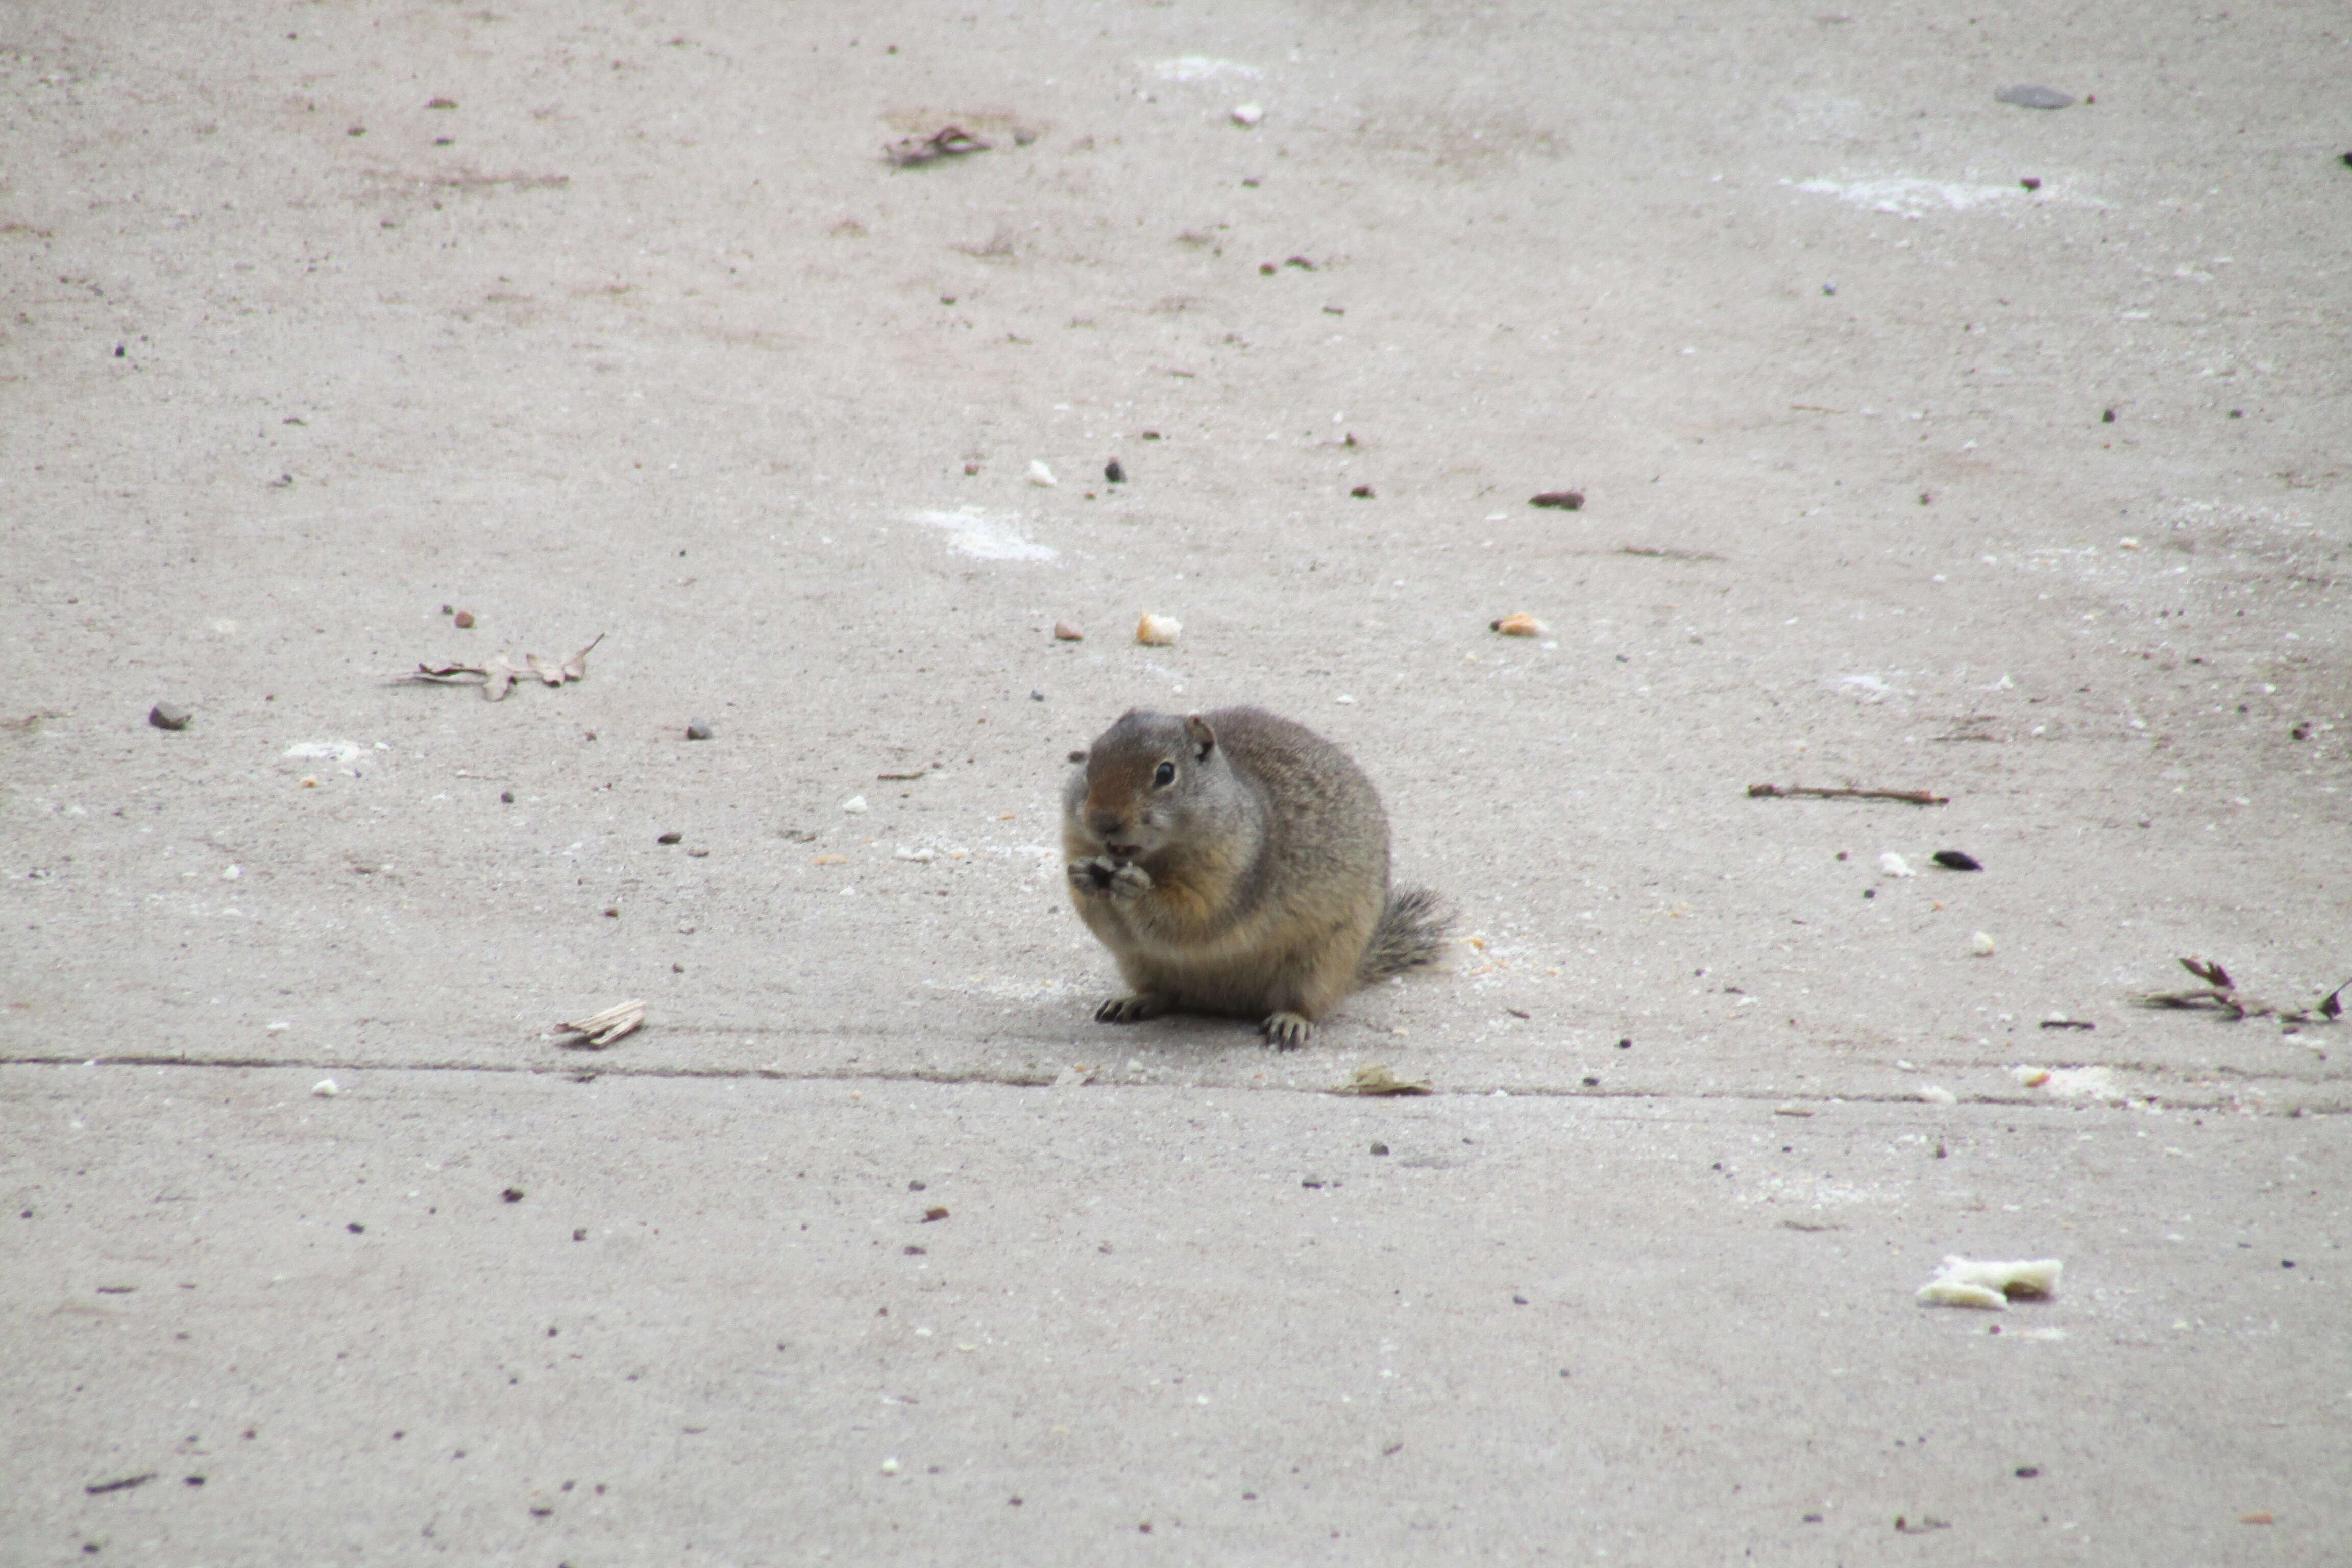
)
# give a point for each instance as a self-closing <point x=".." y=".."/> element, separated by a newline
<point x="1255" y="881"/>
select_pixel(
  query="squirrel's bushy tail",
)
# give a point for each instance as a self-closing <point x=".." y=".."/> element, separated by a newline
<point x="1412" y="929"/>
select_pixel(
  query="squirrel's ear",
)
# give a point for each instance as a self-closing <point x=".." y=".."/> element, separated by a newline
<point x="1203" y="739"/>
<point x="1077" y="756"/>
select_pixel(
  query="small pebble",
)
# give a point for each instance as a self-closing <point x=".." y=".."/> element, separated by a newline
<point x="1158" y="631"/>
<point x="1956" y="861"/>
<point x="1035" y="695"/>
<point x="856" y="803"/>
<point x="1380" y="1148"/>
<point x="1065" y="632"/>
<point x="1041" y="475"/>
<point x="2030" y="183"/>
<point x="698" y="730"/>
<point x="325" y="1088"/>
<point x="1893" y="864"/>
<point x="506" y="797"/>
<point x="1362" y="493"/>
<point x="1114" y="472"/>
<point x="1521" y="625"/>
<point x="669" y="837"/>
<point x="1982" y="945"/>
<point x="463" y="619"/>
<point x="168" y="716"/>
<point x="699" y="853"/>
<point x="1561" y="500"/>
<point x="1151" y="434"/>
<point x="1247" y="114"/>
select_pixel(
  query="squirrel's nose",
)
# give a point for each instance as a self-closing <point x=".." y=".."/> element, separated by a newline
<point x="1106" y="825"/>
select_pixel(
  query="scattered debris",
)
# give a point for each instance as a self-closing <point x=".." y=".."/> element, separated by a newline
<point x="1960" y="1282"/>
<point x="498" y="675"/>
<point x="1980" y="944"/>
<point x="1362" y="493"/>
<point x="1065" y="632"/>
<point x="1936" y="1094"/>
<point x="1158" y="631"/>
<point x="936" y="1212"/>
<point x="463" y="620"/>
<point x="2028" y="97"/>
<point x="1375" y="1077"/>
<point x="1114" y="472"/>
<point x="1924" y="1525"/>
<point x="1893" y="864"/>
<point x="906" y="777"/>
<point x="2223" y="992"/>
<point x="1073" y="1075"/>
<point x="698" y="729"/>
<point x="854" y="805"/>
<point x="1247" y="114"/>
<point x="1519" y="625"/>
<point x="2061" y="1022"/>
<point x="1792" y="1109"/>
<point x="1564" y="500"/>
<point x="1956" y="861"/>
<point x="601" y="1029"/>
<point x="325" y="1088"/>
<point x="948" y="142"/>
<point x="1298" y="261"/>
<point x="1041" y="475"/>
<point x="169" y="716"/>
<point x="1790" y="792"/>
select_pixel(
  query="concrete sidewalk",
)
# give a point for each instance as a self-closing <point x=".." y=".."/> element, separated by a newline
<point x="1929" y="443"/>
<point x="521" y="1317"/>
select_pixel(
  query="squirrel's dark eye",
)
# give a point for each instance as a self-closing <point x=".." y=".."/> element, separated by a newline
<point x="1165" y="776"/>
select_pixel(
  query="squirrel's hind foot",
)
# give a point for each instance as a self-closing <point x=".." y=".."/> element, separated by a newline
<point x="1132" y="1009"/>
<point x="1286" y="1031"/>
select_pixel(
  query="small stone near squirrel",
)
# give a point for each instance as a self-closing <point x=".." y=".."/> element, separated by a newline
<point x="1237" y="862"/>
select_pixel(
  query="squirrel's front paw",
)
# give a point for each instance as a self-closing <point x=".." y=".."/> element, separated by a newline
<point x="1109" y="878"/>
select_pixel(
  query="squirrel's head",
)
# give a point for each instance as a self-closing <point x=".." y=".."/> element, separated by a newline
<point x="1139" y="775"/>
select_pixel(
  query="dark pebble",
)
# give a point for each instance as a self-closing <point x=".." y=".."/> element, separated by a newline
<point x="1035" y="695"/>
<point x="1114" y="472"/>
<point x="2026" y="97"/>
<point x="512" y="1194"/>
<point x="463" y="619"/>
<point x="1266" y="269"/>
<point x="1564" y="500"/>
<point x="2108" y="417"/>
<point x="2030" y="183"/>
<point x="355" y="1227"/>
<point x="1311" y="1182"/>
<point x="917" y="1186"/>
<point x="1592" y="1083"/>
<point x="2027" y="1472"/>
<point x="668" y="837"/>
<point x="2286" y="1263"/>
<point x="1151" y="434"/>
<point x="1625" y="1045"/>
<point x="579" y="1233"/>
<point x="698" y="730"/>
<point x="506" y="797"/>
<point x="1956" y="861"/>
<point x="1380" y="1148"/>
<point x="168" y="716"/>
<point x="1362" y="493"/>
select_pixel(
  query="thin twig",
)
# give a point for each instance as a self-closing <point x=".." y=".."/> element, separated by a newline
<point x="1790" y="792"/>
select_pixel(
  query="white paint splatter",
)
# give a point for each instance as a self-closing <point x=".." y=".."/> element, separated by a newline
<point x="992" y="536"/>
